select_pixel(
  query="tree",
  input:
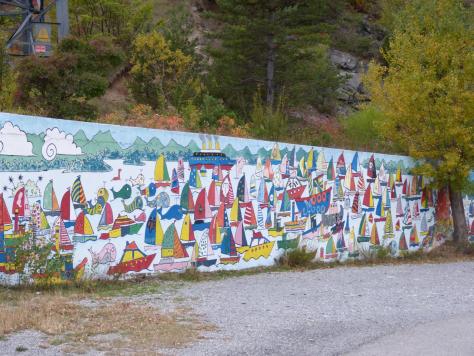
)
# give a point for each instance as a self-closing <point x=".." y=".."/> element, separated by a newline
<point x="121" y="19"/>
<point x="161" y="76"/>
<point x="426" y="96"/>
<point x="62" y="85"/>
<point x="7" y="80"/>
<point x="275" y="45"/>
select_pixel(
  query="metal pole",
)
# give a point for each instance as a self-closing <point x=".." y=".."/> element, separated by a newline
<point x="62" y="15"/>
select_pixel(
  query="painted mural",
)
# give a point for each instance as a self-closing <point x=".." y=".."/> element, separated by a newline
<point x="119" y="200"/>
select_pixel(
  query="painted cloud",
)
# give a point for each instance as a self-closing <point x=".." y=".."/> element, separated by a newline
<point x="58" y="142"/>
<point x="13" y="141"/>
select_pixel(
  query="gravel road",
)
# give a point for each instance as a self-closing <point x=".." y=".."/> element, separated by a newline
<point x="382" y="310"/>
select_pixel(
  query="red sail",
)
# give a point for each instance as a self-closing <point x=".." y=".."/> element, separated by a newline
<point x="79" y="226"/>
<point x="19" y="202"/>
<point x="211" y="196"/>
<point x="5" y="219"/>
<point x="249" y="218"/>
<point x="66" y="206"/>
<point x="201" y="208"/>
<point x="367" y="195"/>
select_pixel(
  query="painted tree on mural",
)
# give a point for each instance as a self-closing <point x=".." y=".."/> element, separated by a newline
<point x="424" y="93"/>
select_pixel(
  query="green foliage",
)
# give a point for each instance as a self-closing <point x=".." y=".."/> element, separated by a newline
<point x="160" y="76"/>
<point x="425" y="91"/>
<point x="121" y="19"/>
<point x="34" y="256"/>
<point x="7" y="80"/>
<point x="268" y="123"/>
<point x="362" y="130"/>
<point x="61" y="85"/>
<point x="297" y="257"/>
<point x="273" y="45"/>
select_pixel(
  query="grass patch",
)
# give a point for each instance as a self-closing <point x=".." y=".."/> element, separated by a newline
<point x="21" y="349"/>
<point x="298" y="257"/>
<point x="121" y="325"/>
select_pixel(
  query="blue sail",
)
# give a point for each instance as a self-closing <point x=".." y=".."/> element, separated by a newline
<point x="355" y="163"/>
<point x="150" y="229"/>
<point x="228" y="243"/>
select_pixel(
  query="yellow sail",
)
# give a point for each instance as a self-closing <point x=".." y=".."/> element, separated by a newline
<point x="302" y="166"/>
<point x="186" y="228"/>
<point x="310" y="162"/>
<point x="234" y="212"/>
<point x="161" y="171"/>
<point x="321" y="164"/>
<point x="87" y="227"/>
<point x="158" y="232"/>
<point x="218" y="234"/>
<point x="374" y="235"/>
<point x="371" y="199"/>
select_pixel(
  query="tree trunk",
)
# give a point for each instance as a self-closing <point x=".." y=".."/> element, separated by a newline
<point x="270" y="98"/>
<point x="271" y="56"/>
<point x="459" y="219"/>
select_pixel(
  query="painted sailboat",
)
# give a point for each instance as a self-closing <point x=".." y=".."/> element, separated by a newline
<point x="407" y="222"/>
<point x="368" y="200"/>
<point x="353" y="245"/>
<point x="187" y="232"/>
<point x="253" y="187"/>
<point x="259" y="247"/>
<point x="161" y="175"/>
<point x="78" y="196"/>
<point x="174" y="182"/>
<point x="275" y="154"/>
<point x="50" y="201"/>
<point x="341" y="166"/>
<point x="186" y="200"/>
<point x="153" y="230"/>
<point x="213" y="196"/>
<point x="83" y="231"/>
<point x="67" y="209"/>
<point x="173" y="253"/>
<point x="243" y="195"/>
<point x="228" y="248"/>
<point x="414" y="240"/>
<point x="356" y="209"/>
<point x="180" y="170"/>
<point x="314" y="204"/>
<point x="363" y="230"/>
<point x="262" y="195"/>
<point x="330" y="252"/>
<point x="268" y="170"/>
<point x="371" y="170"/>
<point x="214" y="235"/>
<point x="133" y="260"/>
<point x="202" y="210"/>
<point x="122" y="226"/>
<point x="250" y="220"/>
<point x="235" y="213"/>
<point x="194" y="179"/>
<point x="388" y="227"/>
<point x="295" y="224"/>
<point x="107" y="218"/>
<point x="39" y="222"/>
<point x="374" y="237"/>
<point x="227" y="192"/>
<point x="349" y="182"/>
<point x="203" y="254"/>
<point x="60" y="236"/>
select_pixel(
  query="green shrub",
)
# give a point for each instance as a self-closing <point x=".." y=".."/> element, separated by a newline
<point x="298" y="257"/>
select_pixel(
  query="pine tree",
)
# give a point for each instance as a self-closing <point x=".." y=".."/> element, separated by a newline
<point x="275" y="45"/>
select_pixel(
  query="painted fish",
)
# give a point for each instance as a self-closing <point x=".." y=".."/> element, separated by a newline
<point x="136" y="203"/>
<point x="96" y="209"/>
<point x="103" y="193"/>
<point x="125" y="192"/>
<point x="149" y="191"/>
<point x="173" y="213"/>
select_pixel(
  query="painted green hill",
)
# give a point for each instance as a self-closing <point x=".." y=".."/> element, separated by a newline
<point x="230" y="151"/>
<point x="155" y="144"/>
<point x="138" y="145"/>
<point x="102" y="141"/>
<point x="80" y="139"/>
<point x="192" y="146"/>
<point x="174" y="147"/>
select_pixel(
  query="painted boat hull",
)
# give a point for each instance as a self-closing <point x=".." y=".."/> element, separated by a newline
<point x="132" y="266"/>
<point x="204" y="261"/>
<point x="255" y="252"/>
<point x="83" y="238"/>
<point x="229" y="260"/>
<point x="170" y="266"/>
